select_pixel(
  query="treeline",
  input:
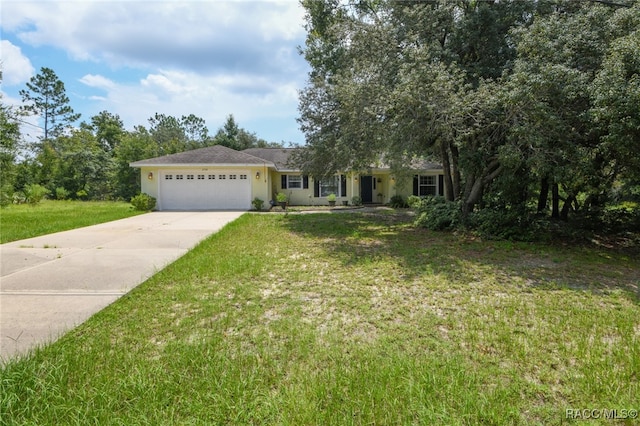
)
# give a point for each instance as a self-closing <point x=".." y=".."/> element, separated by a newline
<point x="533" y="107"/>
<point x="91" y="160"/>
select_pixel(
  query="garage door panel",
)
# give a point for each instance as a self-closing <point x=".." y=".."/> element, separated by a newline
<point x="187" y="190"/>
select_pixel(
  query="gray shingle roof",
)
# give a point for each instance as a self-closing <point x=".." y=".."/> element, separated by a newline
<point x="278" y="156"/>
<point x="281" y="156"/>
<point x="221" y="155"/>
<point x="216" y="154"/>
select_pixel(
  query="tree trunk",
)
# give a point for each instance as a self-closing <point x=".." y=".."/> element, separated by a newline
<point x="474" y="188"/>
<point x="555" y="201"/>
<point x="446" y="165"/>
<point x="473" y="197"/>
<point x="544" y="195"/>
<point x="564" y="214"/>
<point x="455" y="170"/>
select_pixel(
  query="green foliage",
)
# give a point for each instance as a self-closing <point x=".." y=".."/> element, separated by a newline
<point x="624" y="217"/>
<point x="331" y="197"/>
<point x="356" y="200"/>
<point x="82" y="194"/>
<point x="257" y="204"/>
<point x="62" y="193"/>
<point x="34" y="193"/>
<point x="414" y="201"/>
<point x="520" y="99"/>
<point x="233" y="136"/>
<point x="281" y="197"/>
<point x="108" y="129"/>
<point x="436" y="214"/>
<point x="6" y="195"/>
<point x="398" y="202"/>
<point x="514" y="225"/>
<point x="143" y="202"/>
<point x="45" y="96"/>
<point x="9" y="142"/>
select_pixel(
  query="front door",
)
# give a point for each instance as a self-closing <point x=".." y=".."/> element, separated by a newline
<point x="366" y="189"/>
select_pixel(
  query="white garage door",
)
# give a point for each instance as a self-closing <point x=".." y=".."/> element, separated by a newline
<point x="205" y="190"/>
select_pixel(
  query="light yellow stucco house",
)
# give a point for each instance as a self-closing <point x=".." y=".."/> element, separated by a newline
<point x="221" y="178"/>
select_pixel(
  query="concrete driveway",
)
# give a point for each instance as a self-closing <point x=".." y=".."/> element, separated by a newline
<point x="52" y="283"/>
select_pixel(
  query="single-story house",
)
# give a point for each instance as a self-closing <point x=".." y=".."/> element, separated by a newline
<point x="221" y="178"/>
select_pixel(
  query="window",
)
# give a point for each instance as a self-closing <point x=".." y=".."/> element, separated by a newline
<point x="190" y="177"/>
<point x="232" y="176"/>
<point x="424" y="185"/>
<point x="294" y="182"/>
<point x="179" y="177"/>
<point x="212" y="176"/>
<point x="332" y="185"/>
<point x="200" y="177"/>
<point x="168" y="177"/>
<point x="222" y="176"/>
<point x="244" y="177"/>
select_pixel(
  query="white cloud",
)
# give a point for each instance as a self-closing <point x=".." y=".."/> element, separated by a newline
<point x="16" y="68"/>
<point x="98" y="81"/>
<point x="211" y="97"/>
<point x="201" y="35"/>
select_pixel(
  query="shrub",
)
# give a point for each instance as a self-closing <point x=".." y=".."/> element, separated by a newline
<point x="34" y="193"/>
<point x="414" y="201"/>
<point x="6" y="195"/>
<point x="143" y="202"/>
<point x="257" y="203"/>
<point x="356" y="200"/>
<point x="397" y="202"/>
<point x="436" y="213"/>
<point x="61" y="193"/>
<point x="515" y="224"/>
<point x="331" y="197"/>
<point x="82" y="194"/>
<point x="19" y="198"/>
<point x="281" y="197"/>
<point x="613" y="219"/>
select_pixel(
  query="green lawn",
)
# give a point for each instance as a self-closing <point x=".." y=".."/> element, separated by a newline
<point x="314" y="319"/>
<point x="20" y="221"/>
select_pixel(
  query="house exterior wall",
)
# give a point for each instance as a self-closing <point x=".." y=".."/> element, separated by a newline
<point x="404" y="186"/>
<point x="150" y="185"/>
<point x="306" y="196"/>
<point x="269" y="184"/>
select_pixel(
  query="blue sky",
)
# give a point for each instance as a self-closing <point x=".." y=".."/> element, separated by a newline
<point x="210" y="58"/>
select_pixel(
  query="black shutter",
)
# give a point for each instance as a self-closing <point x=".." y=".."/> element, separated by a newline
<point x="440" y="184"/>
<point x="316" y="188"/>
<point x="305" y="182"/>
<point x="283" y="181"/>
<point x="343" y="185"/>
<point x="415" y="185"/>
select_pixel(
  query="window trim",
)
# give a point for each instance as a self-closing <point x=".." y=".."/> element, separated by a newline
<point x="339" y="183"/>
<point x="285" y="181"/>
<point x="425" y="189"/>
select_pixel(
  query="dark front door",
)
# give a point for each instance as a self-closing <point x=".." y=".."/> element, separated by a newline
<point x="366" y="189"/>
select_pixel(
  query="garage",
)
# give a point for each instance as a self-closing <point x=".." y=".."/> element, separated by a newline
<point x="204" y="190"/>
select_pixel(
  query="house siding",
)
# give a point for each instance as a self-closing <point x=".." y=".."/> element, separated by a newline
<point x="267" y="177"/>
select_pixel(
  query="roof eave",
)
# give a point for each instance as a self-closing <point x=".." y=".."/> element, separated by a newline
<point x="266" y="163"/>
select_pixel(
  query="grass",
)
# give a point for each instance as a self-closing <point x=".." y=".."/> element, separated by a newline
<point x="20" y="221"/>
<point x="347" y="319"/>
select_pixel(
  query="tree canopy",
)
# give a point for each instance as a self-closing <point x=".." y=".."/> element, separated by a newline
<point x="45" y="96"/>
<point x="516" y="99"/>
